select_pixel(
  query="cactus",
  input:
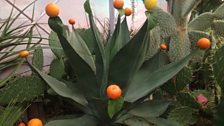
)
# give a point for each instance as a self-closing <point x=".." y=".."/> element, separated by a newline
<point x="22" y="89"/>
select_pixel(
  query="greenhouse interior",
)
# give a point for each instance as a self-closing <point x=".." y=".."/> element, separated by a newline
<point x="112" y="63"/>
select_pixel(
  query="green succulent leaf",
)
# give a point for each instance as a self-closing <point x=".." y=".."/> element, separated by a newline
<point x="119" y="38"/>
<point x="219" y="12"/>
<point x="202" y="22"/>
<point x="79" y="45"/>
<point x="38" y="58"/>
<point x="140" y="87"/>
<point x="62" y="88"/>
<point x="87" y="7"/>
<point x="22" y="89"/>
<point x="186" y="99"/>
<point x="219" y="27"/>
<point x="84" y="72"/>
<point x="10" y="115"/>
<point x="154" y="41"/>
<point x="183" y="78"/>
<point x="57" y="68"/>
<point x="150" y="108"/>
<point x="84" y="120"/>
<point x="55" y="45"/>
<point x="135" y="121"/>
<point x="187" y="6"/>
<point x="183" y="115"/>
<point x="129" y="59"/>
<point x="218" y="67"/>
<point x="180" y="46"/>
<point x="165" y="21"/>
<point x="114" y="106"/>
<point x="163" y="122"/>
<point x="101" y="60"/>
<point x="218" y="121"/>
<point x="88" y="37"/>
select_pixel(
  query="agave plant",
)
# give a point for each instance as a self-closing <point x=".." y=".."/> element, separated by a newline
<point x="122" y="60"/>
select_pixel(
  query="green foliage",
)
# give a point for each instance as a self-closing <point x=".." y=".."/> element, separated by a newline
<point x="183" y="115"/>
<point x="57" y="68"/>
<point x="38" y="58"/>
<point x="10" y="115"/>
<point x="114" y="106"/>
<point x="22" y="89"/>
<point x="186" y="99"/>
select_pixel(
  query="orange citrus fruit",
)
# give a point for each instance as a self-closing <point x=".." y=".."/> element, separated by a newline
<point x="114" y="91"/>
<point x="204" y="43"/>
<point x="52" y="10"/>
<point x="24" y="53"/>
<point x="163" y="46"/>
<point x="71" y="21"/>
<point x="127" y="11"/>
<point x="22" y="124"/>
<point x="35" y="122"/>
<point x="118" y="4"/>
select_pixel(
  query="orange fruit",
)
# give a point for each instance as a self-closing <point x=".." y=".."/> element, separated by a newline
<point x="22" y="124"/>
<point x="71" y="21"/>
<point x="163" y="46"/>
<point x="204" y="43"/>
<point x="114" y="91"/>
<point x="127" y="11"/>
<point x="35" y="122"/>
<point x="52" y="10"/>
<point x="24" y="53"/>
<point x="118" y="4"/>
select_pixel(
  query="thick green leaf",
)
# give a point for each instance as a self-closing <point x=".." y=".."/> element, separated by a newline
<point x="180" y="46"/>
<point x="219" y="114"/>
<point x="22" y="89"/>
<point x="55" y="45"/>
<point x="219" y="11"/>
<point x="183" y="115"/>
<point x="218" y="66"/>
<point x="79" y="45"/>
<point x="154" y="41"/>
<point x="101" y="60"/>
<point x="85" y="74"/>
<point x="134" y="121"/>
<point x="88" y="37"/>
<point x="166" y="22"/>
<point x="219" y="27"/>
<point x="10" y="115"/>
<point x="38" y="59"/>
<point x="114" y="106"/>
<point x="57" y="68"/>
<point x="150" y="109"/>
<point x="186" y="99"/>
<point x="183" y="78"/>
<point x="61" y="88"/>
<point x="87" y="7"/>
<point x="79" y="121"/>
<point x="163" y="122"/>
<point x="119" y="38"/>
<point x="188" y="6"/>
<point x="202" y="22"/>
<point x="141" y="86"/>
<point x="129" y="59"/>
